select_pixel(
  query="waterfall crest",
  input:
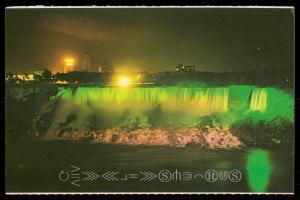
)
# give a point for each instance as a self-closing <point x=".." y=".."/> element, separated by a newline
<point x="198" y="100"/>
<point x="195" y="101"/>
<point x="106" y="107"/>
<point x="258" y="100"/>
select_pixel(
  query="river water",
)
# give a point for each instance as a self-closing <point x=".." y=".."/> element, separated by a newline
<point x="62" y="166"/>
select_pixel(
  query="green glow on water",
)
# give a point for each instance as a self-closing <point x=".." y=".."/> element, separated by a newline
<point x="259" y="169"/>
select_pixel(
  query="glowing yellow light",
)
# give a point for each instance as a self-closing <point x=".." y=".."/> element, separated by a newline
<point x="61" y="82"/>
<point x="69" y="61"/>
<point x="30" y="77"/>
<point x="69" y="64"/>
<point x="124" y="81"/>
<point x="22" y="77"/>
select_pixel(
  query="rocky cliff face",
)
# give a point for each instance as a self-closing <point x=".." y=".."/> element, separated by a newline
<point x="177" y="137"/>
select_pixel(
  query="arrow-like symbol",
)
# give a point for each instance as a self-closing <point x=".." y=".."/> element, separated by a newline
<point x="90" y="176"/>
<point x="74" y="168"/>
<point x="75" y="182"/>
<point x="110" y="176"/>
<point x="148" y="176"/>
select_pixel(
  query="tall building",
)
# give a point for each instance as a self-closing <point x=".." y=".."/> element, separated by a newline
<point x="103" y="68"/>
<point x="86" y="63"/>
<point x="68" y="65"/>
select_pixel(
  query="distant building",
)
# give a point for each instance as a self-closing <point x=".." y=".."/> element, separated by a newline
<point x="68" y="65"/>
<point x="185" y="68"/>
<point x="179" y="67"/>
<point x="103" y="68"/>
<point x="86" y="63"/>
<point x="141" y="75"/>
<point x="38" y="72"/>
<point x="68" y="69"/>
<point x="36" y="75"/>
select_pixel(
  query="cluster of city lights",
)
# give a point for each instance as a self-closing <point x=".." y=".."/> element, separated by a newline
<point x="121" y="80"/>
<point x="61" y="82"/>
<point x="24" y="77"/>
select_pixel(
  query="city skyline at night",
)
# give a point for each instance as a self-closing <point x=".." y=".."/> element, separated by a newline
<point x="150" y="39"/>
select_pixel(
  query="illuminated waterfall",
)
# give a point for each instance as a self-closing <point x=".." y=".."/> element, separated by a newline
<point x="192" y="101"/>
<point x="218" y="99"/>
<point x="197" y="100"/>
<point x="168" y="106"/>
<point x="258" y="99"/>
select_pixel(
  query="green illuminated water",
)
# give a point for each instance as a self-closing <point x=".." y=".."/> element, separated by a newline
<point x="262" y="170"/>
<point x="259" y="170"/>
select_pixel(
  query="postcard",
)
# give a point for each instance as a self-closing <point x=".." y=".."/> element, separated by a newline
<point x="148" y="100"/>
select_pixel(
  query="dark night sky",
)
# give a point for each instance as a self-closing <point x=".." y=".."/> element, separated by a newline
<point x="151" y="39"/>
